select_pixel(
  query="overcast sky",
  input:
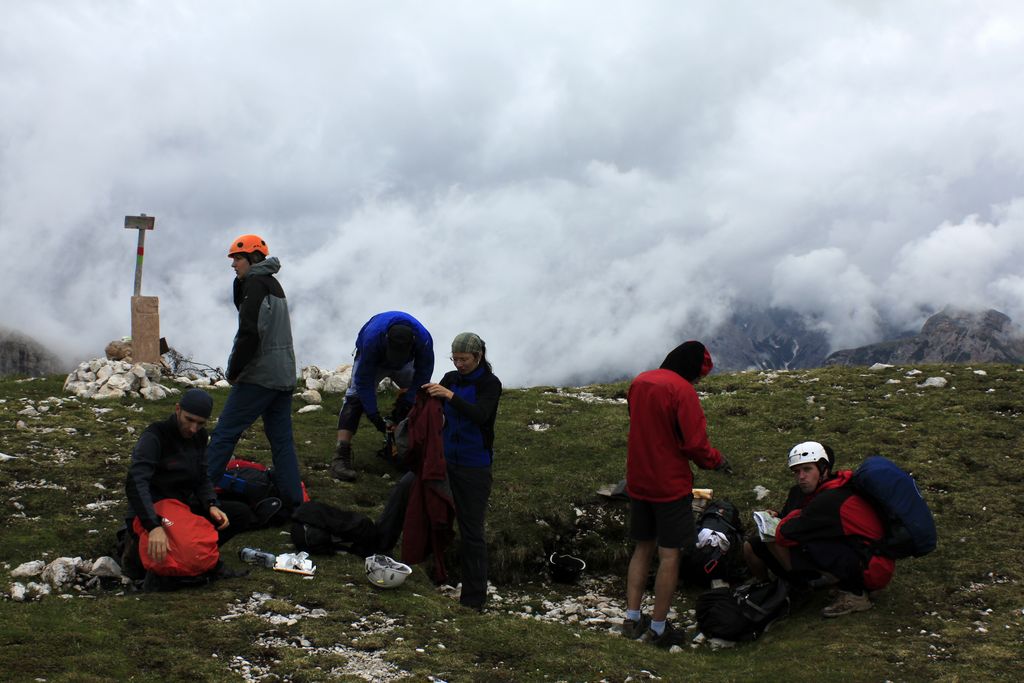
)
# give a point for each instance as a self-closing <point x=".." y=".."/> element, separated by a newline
<point x="584" y="184"/>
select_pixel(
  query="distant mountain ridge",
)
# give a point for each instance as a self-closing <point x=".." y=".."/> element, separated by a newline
<point x="22" y="355"/>
<point x="782" y="339"/>
<point x="767" y="339"/>
<point x="949" y="336"/>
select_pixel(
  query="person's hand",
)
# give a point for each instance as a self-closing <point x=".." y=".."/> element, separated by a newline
<point x="378" y="422"/>
<point x="220" y="520"/>
<point x="438" y="391"/>
<point x="157" y="546"/>
<point x="724" y="466"/>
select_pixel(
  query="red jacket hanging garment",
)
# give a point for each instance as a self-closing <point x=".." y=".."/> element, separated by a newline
<point x="430" y="514"/>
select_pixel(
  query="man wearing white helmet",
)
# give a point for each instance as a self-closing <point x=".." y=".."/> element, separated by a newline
<point x="825" y="534"/>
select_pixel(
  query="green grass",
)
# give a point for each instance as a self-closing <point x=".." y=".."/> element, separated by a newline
<point x="963" y="443"/>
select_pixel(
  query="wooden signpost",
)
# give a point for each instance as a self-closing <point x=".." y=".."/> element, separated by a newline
<point x="145" y="309"/>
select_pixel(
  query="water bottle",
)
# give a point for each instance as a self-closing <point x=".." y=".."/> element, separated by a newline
<point x="257" y="557"/>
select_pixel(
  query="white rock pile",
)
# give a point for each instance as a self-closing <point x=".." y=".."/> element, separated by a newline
<point x="38" y="579"/>
<point x="102" y="378"/>
<point x="317" y="381"/>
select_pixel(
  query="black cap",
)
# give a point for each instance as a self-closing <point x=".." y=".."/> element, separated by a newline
<point x="197" y="402"/>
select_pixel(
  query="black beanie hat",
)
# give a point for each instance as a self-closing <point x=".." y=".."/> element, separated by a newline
<point x="689" y="360"/>
<point x="197" y="402"/>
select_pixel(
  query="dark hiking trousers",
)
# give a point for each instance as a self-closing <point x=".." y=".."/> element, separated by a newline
<point x="471" y="488"/>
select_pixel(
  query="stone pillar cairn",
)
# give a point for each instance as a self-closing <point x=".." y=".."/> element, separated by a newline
<point x="145" y="309"/>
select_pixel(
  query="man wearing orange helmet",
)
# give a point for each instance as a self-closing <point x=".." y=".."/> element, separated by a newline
<point x="261" y="368"/>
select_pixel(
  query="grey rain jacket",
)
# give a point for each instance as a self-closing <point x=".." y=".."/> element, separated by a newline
<point x="262" y="353"/>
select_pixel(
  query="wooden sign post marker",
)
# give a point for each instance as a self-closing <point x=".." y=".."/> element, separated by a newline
<point x="145" y="309"/>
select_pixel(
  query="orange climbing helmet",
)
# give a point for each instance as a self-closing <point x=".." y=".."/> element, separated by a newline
<point x="247" y="244"/>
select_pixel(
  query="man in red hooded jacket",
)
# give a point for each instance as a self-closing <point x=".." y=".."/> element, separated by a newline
<point x="825" y="534"/>
<point x="667" y="431"/>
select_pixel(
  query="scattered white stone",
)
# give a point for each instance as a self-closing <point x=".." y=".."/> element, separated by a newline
<point x="154" y="392"/>
<point x="913" y="373"/>
<point x="982" y="373"/>
<point x="310" y="409"/>
<point x="101" y="505"/>
<point x="27" y="570"/>
<point x="17" y="592"/>
<point x="880" y="366"/>
<point x="4" y="457"/>
<point x="539" y="426"/>
<point x="105" y="567"/>
<point x="761" y="492"/>
<point x="37" y="590"/>
<point x="61" y="571"/>
<point x="327" y="381"/>
<point x="937" y="382"/>
<point x="311" y="396"/>
<point x="588" y="397"/>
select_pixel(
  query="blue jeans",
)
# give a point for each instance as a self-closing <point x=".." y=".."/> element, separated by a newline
<point x="245" y="403"/>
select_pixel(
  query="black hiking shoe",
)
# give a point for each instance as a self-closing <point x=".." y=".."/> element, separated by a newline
<point x="154" y="583"/>
<point x="131" y="565"/>
<point x="226" y="572"/>
<point x="668" y="637"/>
<point x="634" y="630"/>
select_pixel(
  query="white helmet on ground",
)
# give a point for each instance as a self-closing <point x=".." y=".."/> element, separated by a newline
<point x="383" y="572"/>
<point x="808" y="451"/>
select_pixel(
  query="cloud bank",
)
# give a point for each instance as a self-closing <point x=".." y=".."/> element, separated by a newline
<point x="583" y="186"/>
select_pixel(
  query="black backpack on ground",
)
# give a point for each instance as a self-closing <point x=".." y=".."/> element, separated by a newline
<point x="319" y="528"/>
<point x="253" y="483"/>
<point x="247" y="484"/>
<point x="743" y="613"/>
<point x="701" y="565"/>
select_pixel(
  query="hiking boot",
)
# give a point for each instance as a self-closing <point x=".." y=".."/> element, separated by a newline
<point x="131" y="565"/>
<point x="635" y="630"/>
<point x="341" y="467"/>
<point x="846" y="603"/>
<point x="222" y="571"/>
<point x="668" y="637"/>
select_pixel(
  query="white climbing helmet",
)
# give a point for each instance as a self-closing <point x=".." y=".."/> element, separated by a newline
<point x="383" y="572"/>
<point x="808" y="451"/>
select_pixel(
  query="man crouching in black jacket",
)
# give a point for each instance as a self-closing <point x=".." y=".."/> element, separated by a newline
<point x="169" y="461"/>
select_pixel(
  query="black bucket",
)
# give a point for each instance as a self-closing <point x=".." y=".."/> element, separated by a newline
<point x="565" y="568"/>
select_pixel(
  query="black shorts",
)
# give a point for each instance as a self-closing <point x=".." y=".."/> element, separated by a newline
<point x="671" y="524"/>
<point x="351" y="411"/>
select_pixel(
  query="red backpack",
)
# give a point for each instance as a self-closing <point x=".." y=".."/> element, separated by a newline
<point x="191" y="541"/>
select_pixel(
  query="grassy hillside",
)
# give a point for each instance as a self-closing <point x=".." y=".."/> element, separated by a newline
<point x="957" y="614"/>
